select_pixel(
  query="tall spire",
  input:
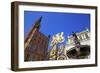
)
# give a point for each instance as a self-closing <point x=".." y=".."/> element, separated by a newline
<point x="37" y="24"/>
<point x="30" y="34"/>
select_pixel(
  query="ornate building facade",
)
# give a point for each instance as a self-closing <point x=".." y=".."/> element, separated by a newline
<point x="77" y="47"/>
<point x="84" y="39"/>
<point x="36" y="44"/>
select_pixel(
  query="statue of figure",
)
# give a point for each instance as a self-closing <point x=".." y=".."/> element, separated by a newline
<point x="77" y="42"/>
<point x="56" y="39"/>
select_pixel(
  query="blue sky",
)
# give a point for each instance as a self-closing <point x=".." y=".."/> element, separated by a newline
<point x="54" y="22"/>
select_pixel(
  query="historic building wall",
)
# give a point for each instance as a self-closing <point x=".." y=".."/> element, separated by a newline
<point x="37" y="47"/>
<point x="84" y="38"/>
